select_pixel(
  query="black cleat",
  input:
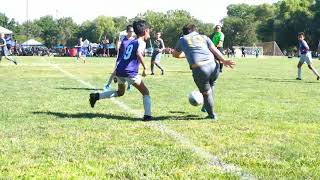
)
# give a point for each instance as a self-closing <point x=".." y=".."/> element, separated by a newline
<point x="147" y="118"/>
<point x="212" y="117"/>
<point x="318" y="78"/>
<point x="162" y="73"/>
<point x="94" y="97"/>
<point x="298" y="78"/>
<point x="15" y="62"/>
<point x="152" y="74"/>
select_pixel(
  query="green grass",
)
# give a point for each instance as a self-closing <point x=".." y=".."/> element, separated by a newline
<point x="268" y="123"/>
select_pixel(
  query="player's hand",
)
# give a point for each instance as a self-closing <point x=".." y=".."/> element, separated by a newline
<point x="229" y="63"/>
<point x="144" y="73"/>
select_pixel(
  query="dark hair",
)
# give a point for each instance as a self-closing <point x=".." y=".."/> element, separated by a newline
<point x="189" y="28"/>
<point x="129" y="27"/>
<point x="301" y="34"/>
<point x="139" y="27"/>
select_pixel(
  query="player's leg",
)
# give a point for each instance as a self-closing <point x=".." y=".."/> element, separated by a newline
<point x="313" y="69"/>
<point x="157" y="63"/>
<point x="212" y="81"/>
<point x="153" y="57"/>
<point x="108" y="85"/>
<point x="300" y="63"/>
<point x="203" y="77"/>
<point x="83" y="58"/>
<point x="6" y="55"/>
<point x="310" y="65"/>
<point x="94" y="97"/>
<point x="138" y="83"/>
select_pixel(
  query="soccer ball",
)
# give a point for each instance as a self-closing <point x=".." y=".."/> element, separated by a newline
<point x="195" y="98"/>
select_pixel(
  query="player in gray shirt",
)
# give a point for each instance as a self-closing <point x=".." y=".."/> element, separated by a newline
<point x="199" y="51"/>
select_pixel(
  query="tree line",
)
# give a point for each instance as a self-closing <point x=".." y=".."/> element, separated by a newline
<point x="244" y="25"/>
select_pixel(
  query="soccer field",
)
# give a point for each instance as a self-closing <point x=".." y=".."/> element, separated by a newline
<point x="268" y="123"/>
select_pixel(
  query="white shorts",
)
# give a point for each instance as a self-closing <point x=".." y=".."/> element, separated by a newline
<point x="122" y="80"/>
<point x="156" y="57"/>
<point x="306" y="58"/>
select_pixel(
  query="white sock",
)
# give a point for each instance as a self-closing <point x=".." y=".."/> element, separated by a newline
<point x="108" y="94"/>
<point x="147" y="105"/>
<point x="315" y="72"/>
<point x="299" y="73"/>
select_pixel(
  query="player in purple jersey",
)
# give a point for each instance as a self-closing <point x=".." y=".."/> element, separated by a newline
<point x="127" y="70"/>
<point x="80" y="50"/>
<point x="122" y="48"/>
<point x="305" y="57"/>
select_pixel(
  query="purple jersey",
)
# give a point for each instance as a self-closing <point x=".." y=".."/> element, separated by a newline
<point x="303" y="47"/>
<point x="128" y="65"/>
<point x="79" y="46"/>
<point x="124" y="43"/>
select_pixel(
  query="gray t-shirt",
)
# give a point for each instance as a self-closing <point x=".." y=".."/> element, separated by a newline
<point x="195" y="47"/>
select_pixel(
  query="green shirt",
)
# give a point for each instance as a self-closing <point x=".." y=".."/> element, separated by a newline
<point x="217" y="37"/>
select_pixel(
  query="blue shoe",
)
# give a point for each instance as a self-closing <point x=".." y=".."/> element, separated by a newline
<point x="107" y="87"/>
<point x="203" y="109"/>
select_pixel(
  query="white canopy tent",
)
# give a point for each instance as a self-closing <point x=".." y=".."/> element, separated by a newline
<point x="4" y="30"/>
<point x="31" y="42"/>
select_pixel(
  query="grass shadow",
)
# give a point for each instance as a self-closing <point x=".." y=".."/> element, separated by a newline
<point x="284" y="80"/>
<point x="114" y="117"/>
<point x="84" y="89"/>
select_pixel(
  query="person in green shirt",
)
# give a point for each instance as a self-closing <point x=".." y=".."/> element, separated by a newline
<point x="217" y="38"/>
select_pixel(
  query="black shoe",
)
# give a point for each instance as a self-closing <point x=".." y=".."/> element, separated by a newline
<point x="162" y="73"/>
<point x="147" y="118"/>
<point x="152" y="74"/>
<point x="212" y="117"/>
<point x="318" y="78"/>
<point x="15" y="62"/>
<point x="94" y="97"/>
<point x="298" y="78"/>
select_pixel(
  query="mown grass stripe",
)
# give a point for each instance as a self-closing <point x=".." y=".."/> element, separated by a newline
<point x="212" y="159"/>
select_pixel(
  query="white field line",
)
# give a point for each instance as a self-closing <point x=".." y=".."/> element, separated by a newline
<point x="213" y="160"/>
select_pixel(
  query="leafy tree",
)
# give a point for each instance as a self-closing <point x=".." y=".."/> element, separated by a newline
<point x="7" y="23"/>
<point x="67" y="31"/>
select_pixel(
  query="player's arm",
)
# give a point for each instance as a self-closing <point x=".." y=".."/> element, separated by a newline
<point x="178" y="54"/>
<point x="140" y="57"/>
<point x="177" y="51"/>
<point x="220" y="43"/>
<point x="119" y="43"/>
<point x="305" y="44"/>
<point x="141" y="60"/>
<point x="217" y="53"/>
<point x="162" y="46"/>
